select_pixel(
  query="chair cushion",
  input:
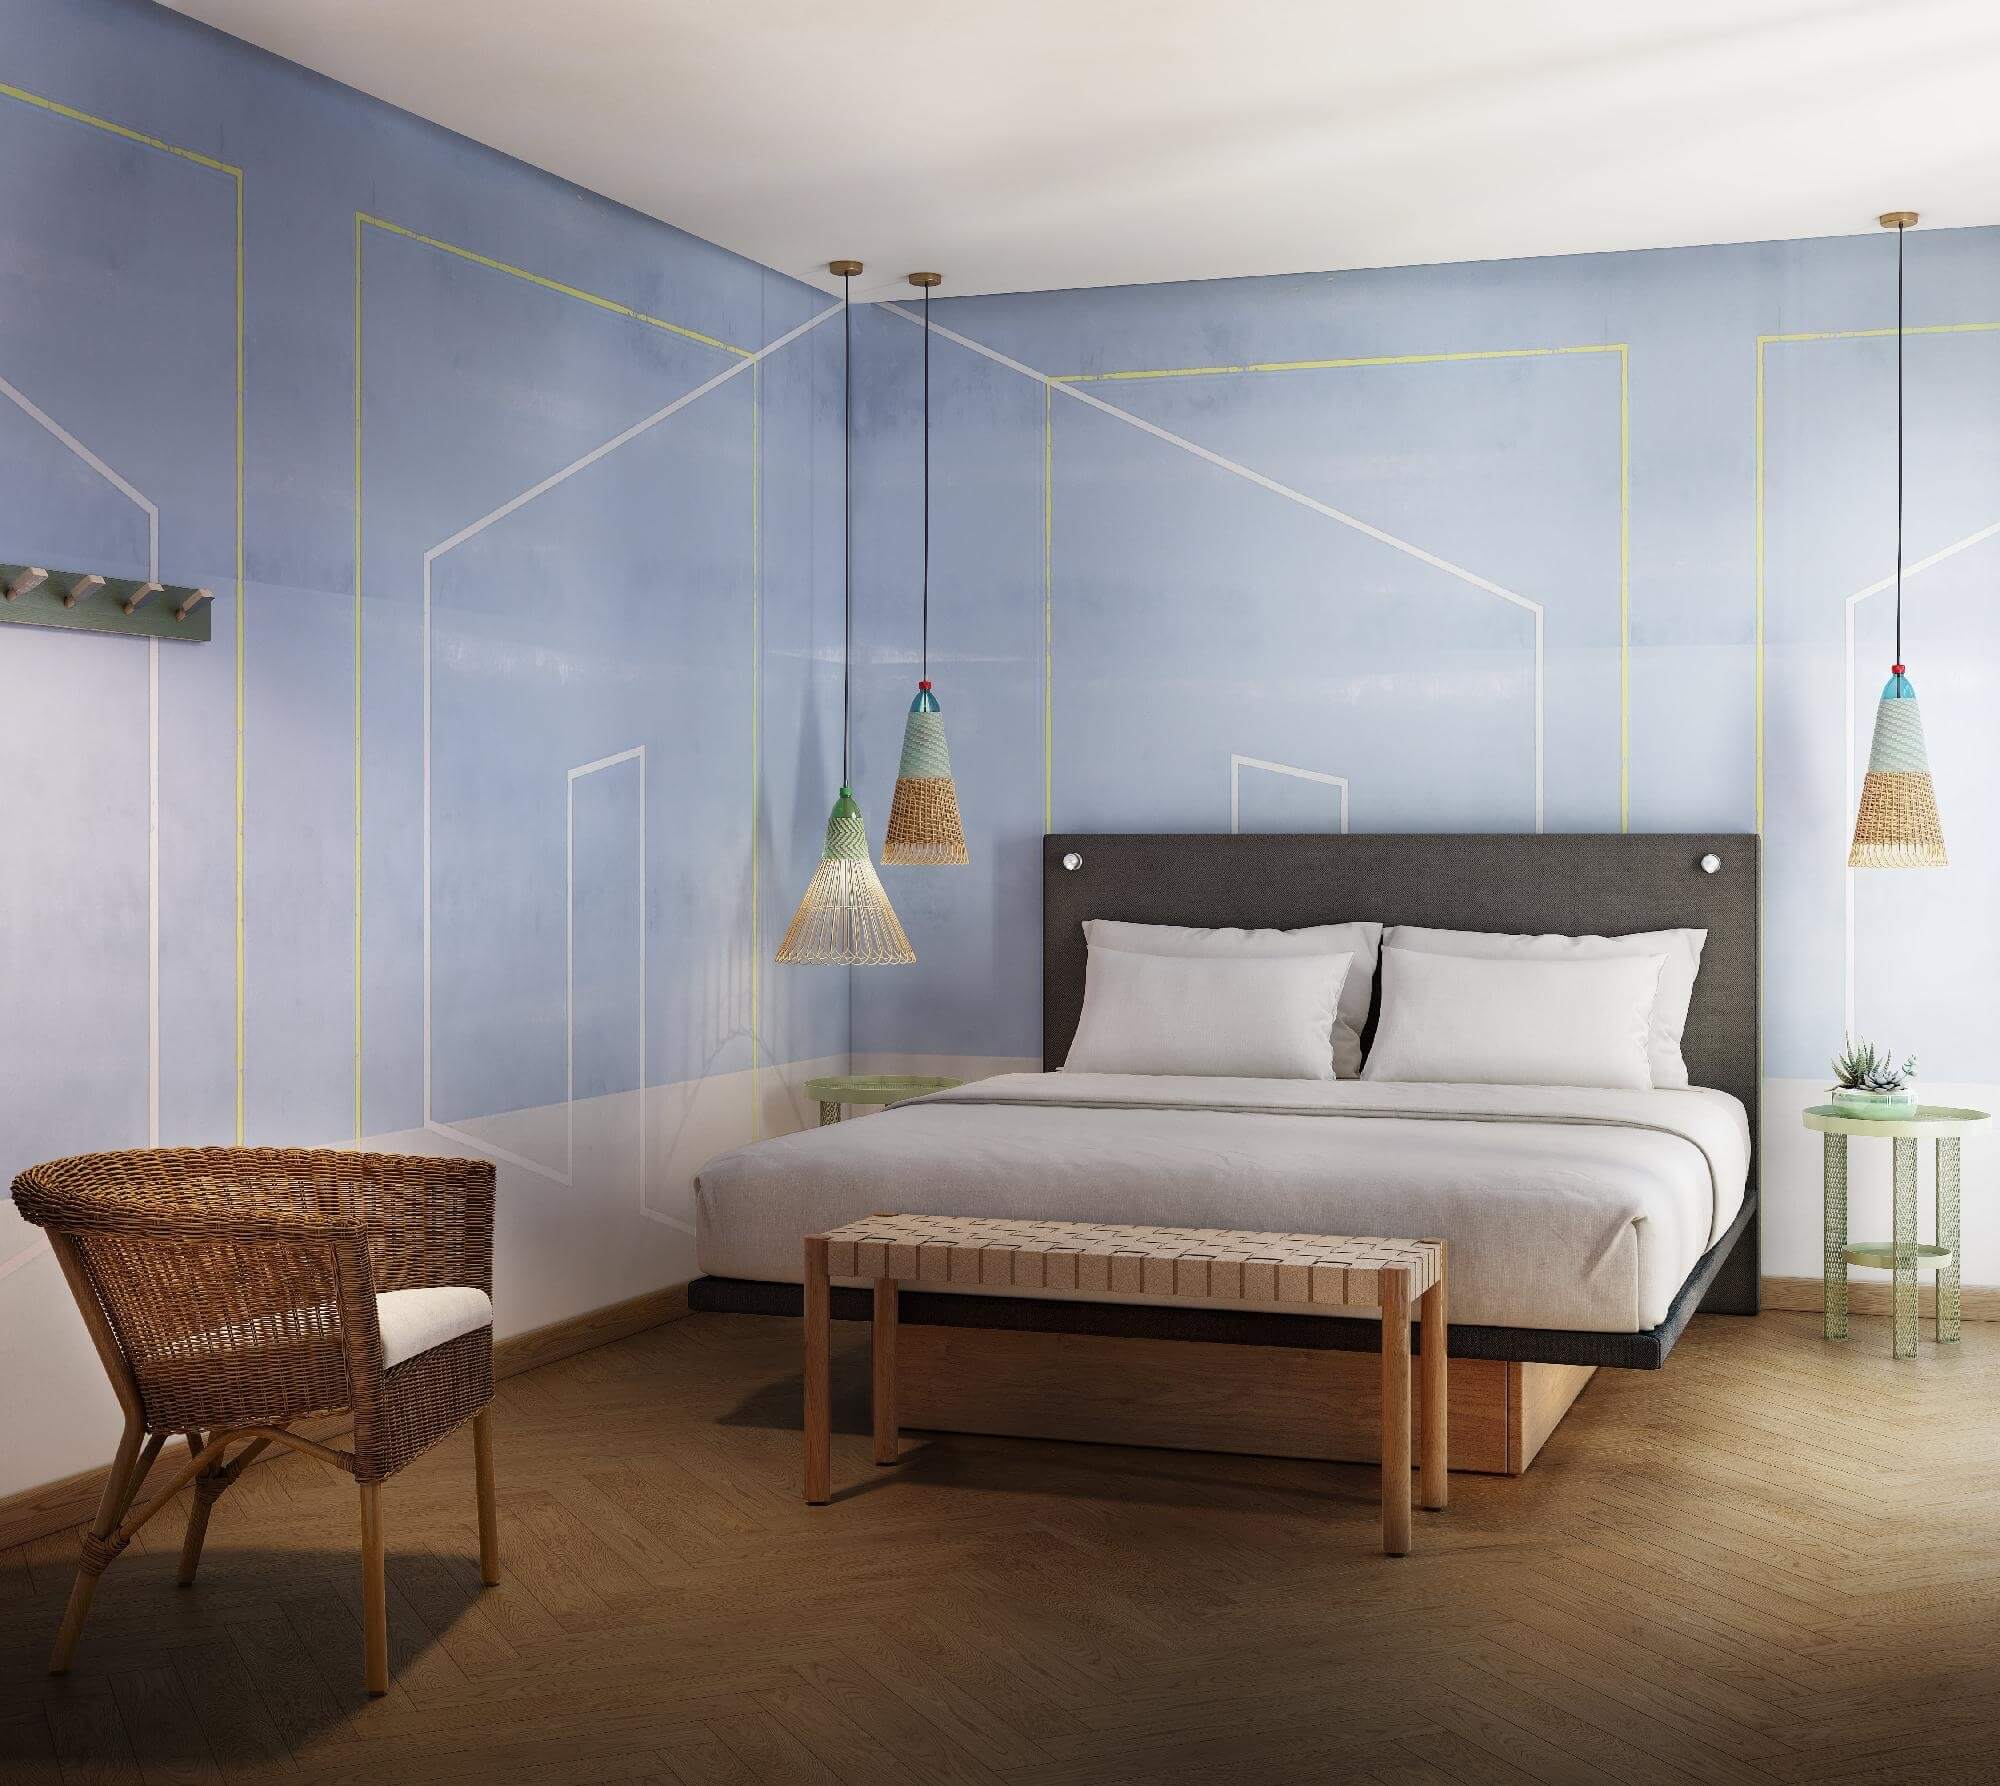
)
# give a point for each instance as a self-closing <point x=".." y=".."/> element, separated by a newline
<point x="414" y="1321"/>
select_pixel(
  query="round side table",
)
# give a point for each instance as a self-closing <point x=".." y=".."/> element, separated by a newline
<point x="868" y="1088"/>
<point x="1904" y="1255"/>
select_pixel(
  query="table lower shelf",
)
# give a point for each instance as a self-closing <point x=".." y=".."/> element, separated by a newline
<point x="1882" y="1254"/>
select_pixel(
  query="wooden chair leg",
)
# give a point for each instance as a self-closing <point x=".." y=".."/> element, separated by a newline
<point x="208" y="1487"/>
<point x="1396" y="1413"/>
<point x="374" y="1591"/>
<point x="489" y="1517"/>
<point x="120" y="1485"/>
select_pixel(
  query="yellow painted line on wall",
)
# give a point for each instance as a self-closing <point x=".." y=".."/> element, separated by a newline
<point x="357" y="676"/>
<point x="131" y="136"/>
<point x="1335" y="365"/>
<point x="56" y="108"/>
<point x="1048" y="609"/>
<point x="1624" y="587"/>
<point x="554" y="285"/>
<point x="242" y="629"/>
<point x="756" y="718"/>
<point x="1810" y="335"/>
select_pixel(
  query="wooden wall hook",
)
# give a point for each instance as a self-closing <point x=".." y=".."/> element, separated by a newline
<point x="195" y="599"/>
<point x="30" y="579"/>
<point x="144" y="592"/>
<point x="84" y="586"/>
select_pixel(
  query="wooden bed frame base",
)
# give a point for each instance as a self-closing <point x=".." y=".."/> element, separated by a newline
<point x="1195" y="1395"/>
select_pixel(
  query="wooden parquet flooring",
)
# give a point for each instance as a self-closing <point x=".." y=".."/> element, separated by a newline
<point x="1776" y="1561"/>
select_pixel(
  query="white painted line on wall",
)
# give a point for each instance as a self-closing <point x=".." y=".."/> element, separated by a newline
<point x="1313" y="503"/>
<point x="431" y="557"/>
<point x="35" y="413"/>
<point x="1853" y="602"/>
<point x="1238" y="764"/>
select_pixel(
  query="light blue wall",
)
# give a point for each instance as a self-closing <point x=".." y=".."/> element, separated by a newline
<point x="1196" y="613"/>
<point x="678" y="596"/>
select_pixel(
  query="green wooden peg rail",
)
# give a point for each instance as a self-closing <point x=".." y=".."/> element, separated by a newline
<point x="82" y="601"/>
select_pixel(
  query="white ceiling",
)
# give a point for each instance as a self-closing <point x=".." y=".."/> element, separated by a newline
<point x="1031" y="144"/>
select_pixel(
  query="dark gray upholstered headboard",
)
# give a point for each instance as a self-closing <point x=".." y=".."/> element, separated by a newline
<point x="1576" y="885"/>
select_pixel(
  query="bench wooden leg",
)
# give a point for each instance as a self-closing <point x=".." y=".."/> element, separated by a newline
<point x="1433" y="1444"/>
<point x="819" y="1388"/>
<point x="883" y="1355"/>
<point x="1395" y="1413"/>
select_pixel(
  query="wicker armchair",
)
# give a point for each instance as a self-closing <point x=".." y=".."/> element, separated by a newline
<point x="234" y="1292"/>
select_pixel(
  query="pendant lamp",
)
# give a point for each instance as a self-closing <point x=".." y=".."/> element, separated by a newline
<point x="845" y="918"/>
<point x="924" y="827"/>
<point x="1897" y="826"/>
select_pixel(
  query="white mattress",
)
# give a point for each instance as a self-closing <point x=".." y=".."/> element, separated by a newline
<point x="1577" y="1209"/>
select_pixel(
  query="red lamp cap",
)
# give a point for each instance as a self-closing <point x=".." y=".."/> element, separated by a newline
<point x="926" y="685"/>
<point x="1894" y="670"/>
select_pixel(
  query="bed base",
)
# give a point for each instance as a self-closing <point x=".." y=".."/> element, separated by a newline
<point x="1196" y="1395"/>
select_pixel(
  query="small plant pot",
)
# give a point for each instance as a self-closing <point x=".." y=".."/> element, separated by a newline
<point x="1882" y="1106"/>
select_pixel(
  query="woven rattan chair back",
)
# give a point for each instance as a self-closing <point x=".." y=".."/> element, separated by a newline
<point x="231" y="1291"/>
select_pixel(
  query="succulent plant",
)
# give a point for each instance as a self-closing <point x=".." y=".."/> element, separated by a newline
<point x="1861" y="1066"/>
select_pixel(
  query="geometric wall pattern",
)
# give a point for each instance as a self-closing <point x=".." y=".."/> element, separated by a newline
<point x="469" y="830"/>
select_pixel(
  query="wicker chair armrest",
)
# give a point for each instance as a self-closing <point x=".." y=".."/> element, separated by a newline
<point x="429" y="1221"/>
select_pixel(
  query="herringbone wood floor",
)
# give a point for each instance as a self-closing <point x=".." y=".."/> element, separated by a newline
<point x="1778" y="1560"/>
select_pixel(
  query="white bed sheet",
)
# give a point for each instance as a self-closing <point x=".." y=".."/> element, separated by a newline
<point x="1575" y="1209"/>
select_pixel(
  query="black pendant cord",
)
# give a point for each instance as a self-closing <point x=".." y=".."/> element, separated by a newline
<point x="846" y="515"/>
<point x="927" y="486"/>
<point x="1902" y="230"/>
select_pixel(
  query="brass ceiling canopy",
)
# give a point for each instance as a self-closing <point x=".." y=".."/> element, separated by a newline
<point x="844" y="269"/>
<point x="926" y="280"/>
<point x="1898" y="220"/>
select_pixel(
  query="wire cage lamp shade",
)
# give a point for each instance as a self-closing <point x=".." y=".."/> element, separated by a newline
<point x="845" y="918"/>
<point x="1897" y="824"/>
<point x="925" y="830"/>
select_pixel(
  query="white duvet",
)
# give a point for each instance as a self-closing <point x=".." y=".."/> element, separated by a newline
<point x="1579" y="1209"/>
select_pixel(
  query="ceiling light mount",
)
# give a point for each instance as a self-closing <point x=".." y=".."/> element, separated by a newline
<point x="844" y="269"/>
<point x="926" y="280"/>
<point x="1898" y="220"/>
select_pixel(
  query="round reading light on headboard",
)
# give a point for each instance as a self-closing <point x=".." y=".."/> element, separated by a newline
<point x="1711" y="863"/>
<point x="1072" y="861"/>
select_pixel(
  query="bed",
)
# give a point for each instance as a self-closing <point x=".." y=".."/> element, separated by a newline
<point x="1587" y="1226"/>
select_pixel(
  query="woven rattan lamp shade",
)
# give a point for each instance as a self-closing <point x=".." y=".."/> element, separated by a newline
<point x="845" y="918"/>
<point x="924" y="827"/>
<point x="1897" y="824"/>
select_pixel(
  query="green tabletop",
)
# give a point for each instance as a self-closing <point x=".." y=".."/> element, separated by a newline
<point x="1926" y="1119"/>
<point x="873" y="1088"/>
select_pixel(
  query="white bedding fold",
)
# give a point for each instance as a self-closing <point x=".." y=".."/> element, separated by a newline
<point x="1580" y="1209"/>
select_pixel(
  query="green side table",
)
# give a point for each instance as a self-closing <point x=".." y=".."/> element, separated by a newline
<point x="1903" y="1255"/>
<point x="869" y="1088"/>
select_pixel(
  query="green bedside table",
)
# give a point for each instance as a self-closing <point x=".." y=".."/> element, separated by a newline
<point x="868" y="1088"/>
<point x="1903" y="1255"/>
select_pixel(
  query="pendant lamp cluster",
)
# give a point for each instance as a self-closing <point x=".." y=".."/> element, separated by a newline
<point x="845" y="918"/>
<point x="1897" y="825"/>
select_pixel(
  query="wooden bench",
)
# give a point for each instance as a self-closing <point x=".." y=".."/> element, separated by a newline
<point x="1313" y="1271"/>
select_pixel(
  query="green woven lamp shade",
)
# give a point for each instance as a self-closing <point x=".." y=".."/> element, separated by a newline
<point x="845" y="918"/>
<point x="1897" y="826"/>
<point x="924" y="827"/>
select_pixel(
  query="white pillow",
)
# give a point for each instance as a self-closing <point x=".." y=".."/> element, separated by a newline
<point x="1362" y="940"/>
<point x="1682" y="948"/>
<point x="1470" y="1022"/>
<point x="1260" y="1017"/>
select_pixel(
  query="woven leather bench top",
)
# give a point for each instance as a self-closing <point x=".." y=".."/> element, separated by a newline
<point x="1191" y="1264"/>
